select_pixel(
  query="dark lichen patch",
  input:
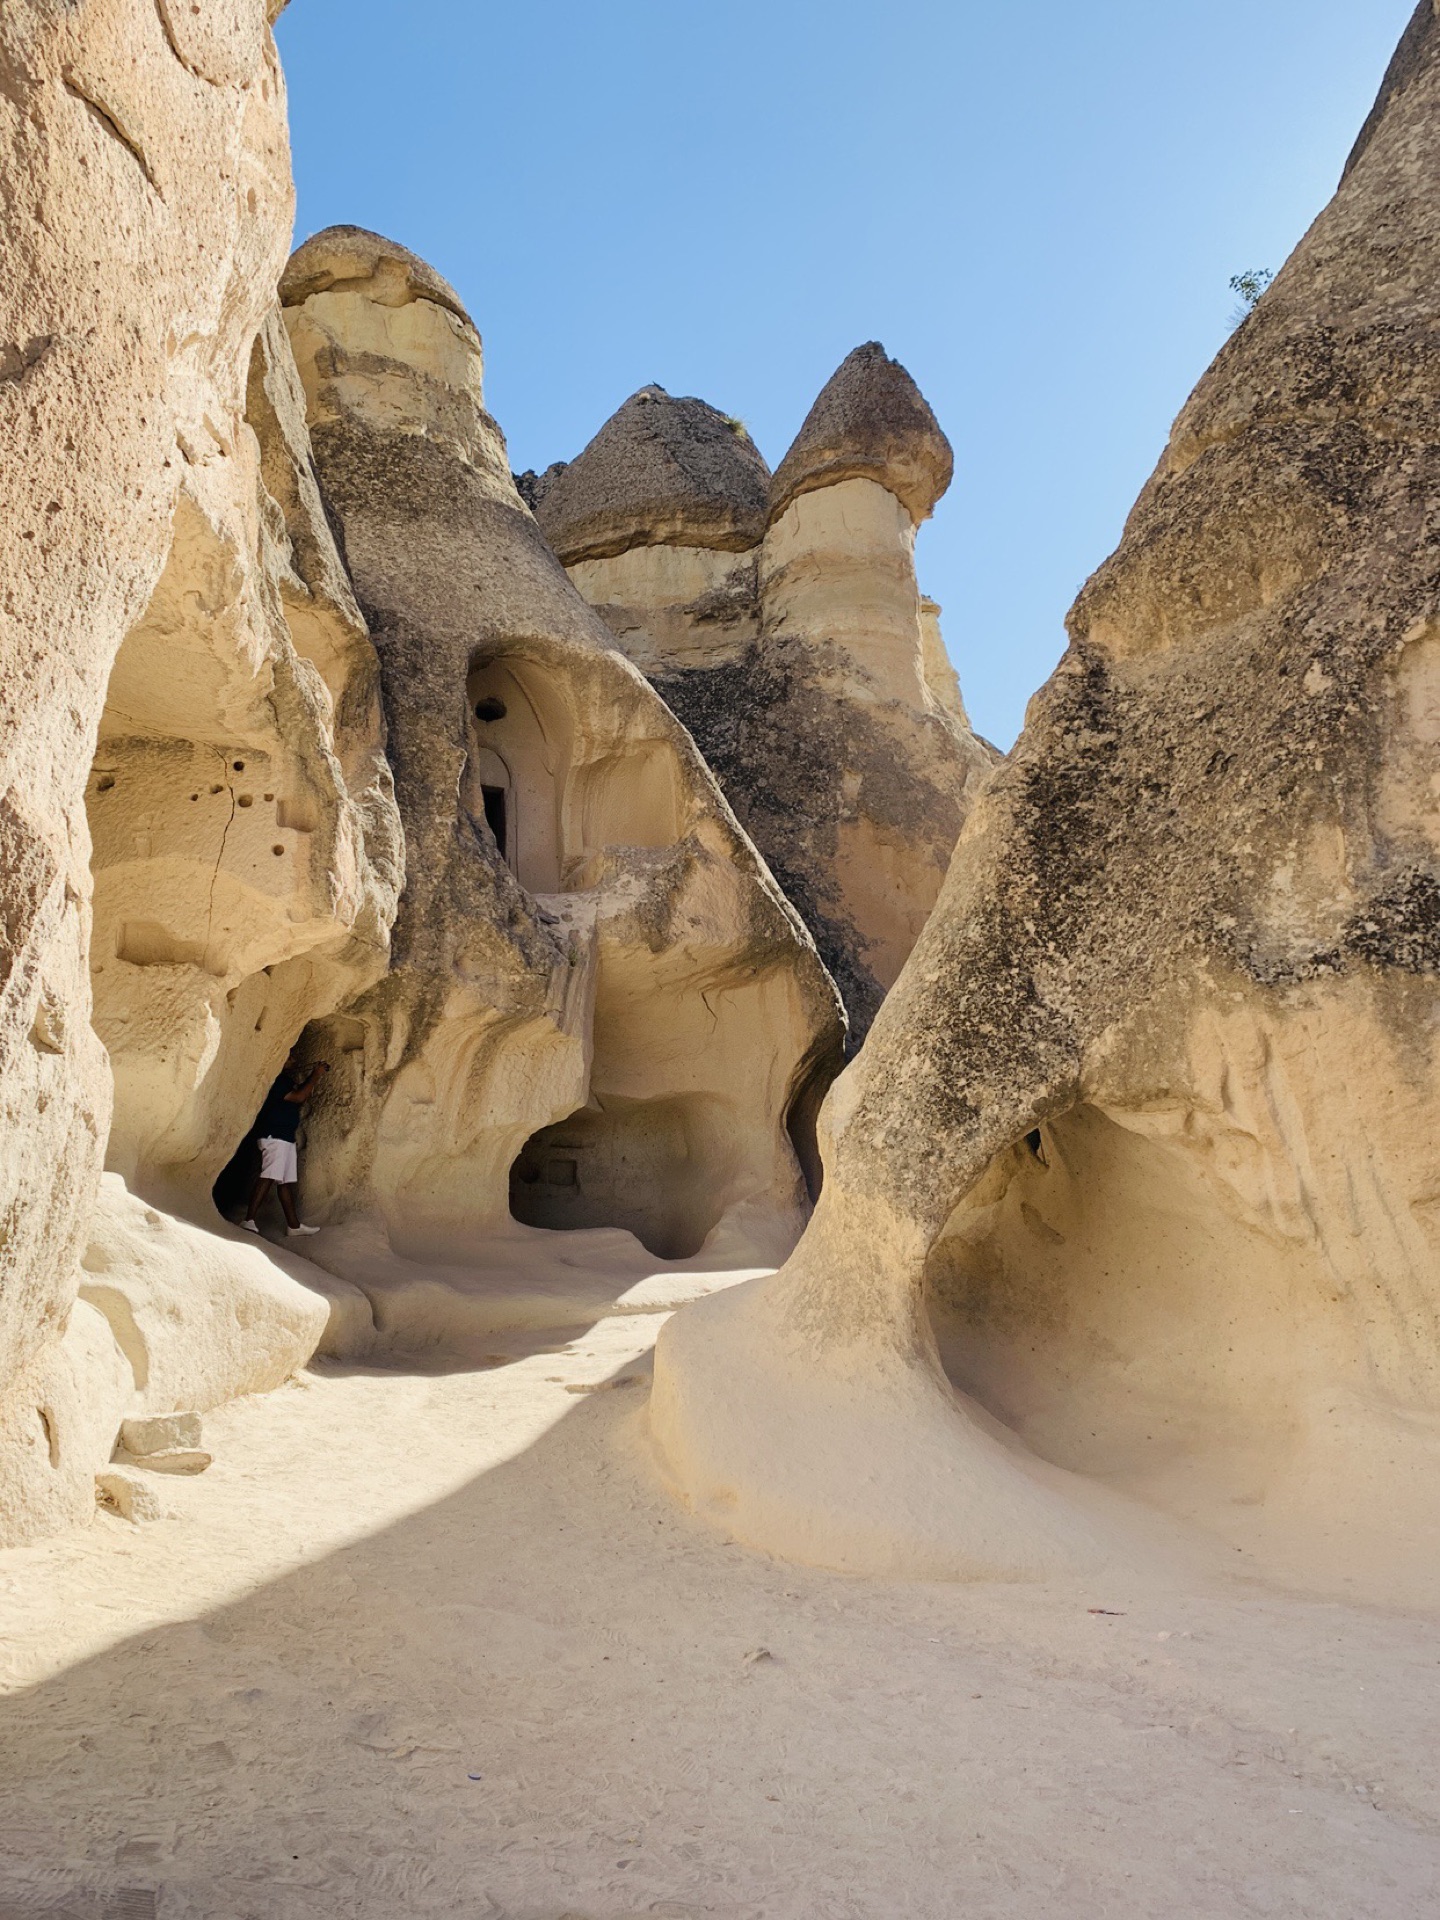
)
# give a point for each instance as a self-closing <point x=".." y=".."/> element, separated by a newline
<point x="1400" y="927"/>
<point x="781" y="747"/>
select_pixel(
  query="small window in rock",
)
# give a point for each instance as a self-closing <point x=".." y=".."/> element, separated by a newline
<point x="495" y="816"/>
<point x="490" y="708"/>
<point x="1035" y="1141"/>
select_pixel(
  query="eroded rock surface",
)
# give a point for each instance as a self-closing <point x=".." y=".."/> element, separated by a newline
<point x="589" y="957"/>
<point x="247" y="851"/>
<point x="660" y="472"/>
<point x="1146" y="1131"/>
<point x="141" y="260"/>
<point x="588" y="941"/>
<point x="782" y="622"/>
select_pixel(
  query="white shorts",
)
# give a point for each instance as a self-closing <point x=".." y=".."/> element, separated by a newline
<point x="279" y="1161"/>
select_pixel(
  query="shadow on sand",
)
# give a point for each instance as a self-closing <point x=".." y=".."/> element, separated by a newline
<point x="549" y="1693"/>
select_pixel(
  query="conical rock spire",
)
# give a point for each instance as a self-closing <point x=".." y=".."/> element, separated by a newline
<point x="870" y="422"/>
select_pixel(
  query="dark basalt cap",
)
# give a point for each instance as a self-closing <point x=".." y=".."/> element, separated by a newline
<point x="871" y="422"/>
<point x="341" y="259"/>
<point x="660" y="472"/>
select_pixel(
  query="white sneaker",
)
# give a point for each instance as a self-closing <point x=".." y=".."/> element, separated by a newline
<point x="249" y="1226"/>
<point x="292" y="1231"/>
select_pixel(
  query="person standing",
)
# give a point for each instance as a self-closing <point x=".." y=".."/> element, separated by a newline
<point x="276" y="1130"/>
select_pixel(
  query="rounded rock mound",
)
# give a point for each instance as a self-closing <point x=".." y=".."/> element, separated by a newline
<point x="870" y="422"/>
<point x="344" y="258"/>
<point x="662" y="471"/>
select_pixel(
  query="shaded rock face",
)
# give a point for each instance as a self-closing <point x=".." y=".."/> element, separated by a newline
<point x="782" y="623"/>
<point x="141" y="260"/>
<point x="1143" y="1142"/>
<point x="600" y="1011"/>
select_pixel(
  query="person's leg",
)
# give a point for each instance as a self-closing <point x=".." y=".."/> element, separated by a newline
<point x="287" y="1168"/>
<point x="259" y="1194"/>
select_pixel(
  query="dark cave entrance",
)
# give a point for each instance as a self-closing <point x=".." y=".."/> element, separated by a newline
<point x="654" y="1167"/>
<point x="496" y="804"/>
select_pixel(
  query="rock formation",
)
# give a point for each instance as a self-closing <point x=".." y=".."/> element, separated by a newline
<point x="782" y="622"/>
<point x="601" y="1012"/>
<point x="141" y="260"/>
<point x="246" y="848"/>
<point x="1145" y="1134"/>
<point x="592" y="963"/>
<point x="589" y="958"/>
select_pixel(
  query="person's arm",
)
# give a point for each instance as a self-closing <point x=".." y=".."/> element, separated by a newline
<point x="299" y="1095"/>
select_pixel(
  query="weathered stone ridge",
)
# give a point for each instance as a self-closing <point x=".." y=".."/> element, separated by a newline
<point x="1144" y="1137"/>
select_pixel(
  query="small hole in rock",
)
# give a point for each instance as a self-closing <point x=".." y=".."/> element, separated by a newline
<point x="105" y="783"/>
<point x="239" y="765"/>
<point x="490" y="708"/>
<point x="246" y="800"/>
<point x="277" y="851"/>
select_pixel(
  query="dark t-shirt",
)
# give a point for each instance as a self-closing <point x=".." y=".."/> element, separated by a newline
<point x="279" y="1117"/>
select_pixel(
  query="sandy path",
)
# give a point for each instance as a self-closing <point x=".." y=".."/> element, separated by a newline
<point x="274" y="1704"/>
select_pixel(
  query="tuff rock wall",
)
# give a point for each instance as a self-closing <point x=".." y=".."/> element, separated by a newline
<point x="1134" y="1183"/>
<point x="146" y="150"/>
<point x="589" y="957"/>
<point x="219" y="790"/>
<point x="780" y="618"/>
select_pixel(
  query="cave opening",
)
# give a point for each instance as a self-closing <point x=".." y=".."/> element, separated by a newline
<point x="495" y="801"/>
<point x="652" y="1167"/>
<point x="554" y="801"/>
<point x="1104" y="1291"/>
<point x="520" y="739"/>
<point x="802" y="1117"/>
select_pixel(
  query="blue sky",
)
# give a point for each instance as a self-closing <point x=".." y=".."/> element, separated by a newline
<point x="1037" y="208"/>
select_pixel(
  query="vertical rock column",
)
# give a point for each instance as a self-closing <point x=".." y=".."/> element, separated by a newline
<point x="599" y="1011"/>
<point x="658" y="523"/>
<point x="145" y="226"/>
<point x="859" y="652"/>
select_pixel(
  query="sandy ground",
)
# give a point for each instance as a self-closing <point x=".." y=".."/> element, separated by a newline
<point x="435" y="1642"/>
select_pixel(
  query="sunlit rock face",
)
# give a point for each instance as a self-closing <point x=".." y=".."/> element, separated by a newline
<point x="781" y="620"/>
<point x="204" y="825"/>
<point x="146" y="646"/>
<point x="599" y="1011"/>
<point x="1143" y="1141"/>
<point x="246" y="850"/>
